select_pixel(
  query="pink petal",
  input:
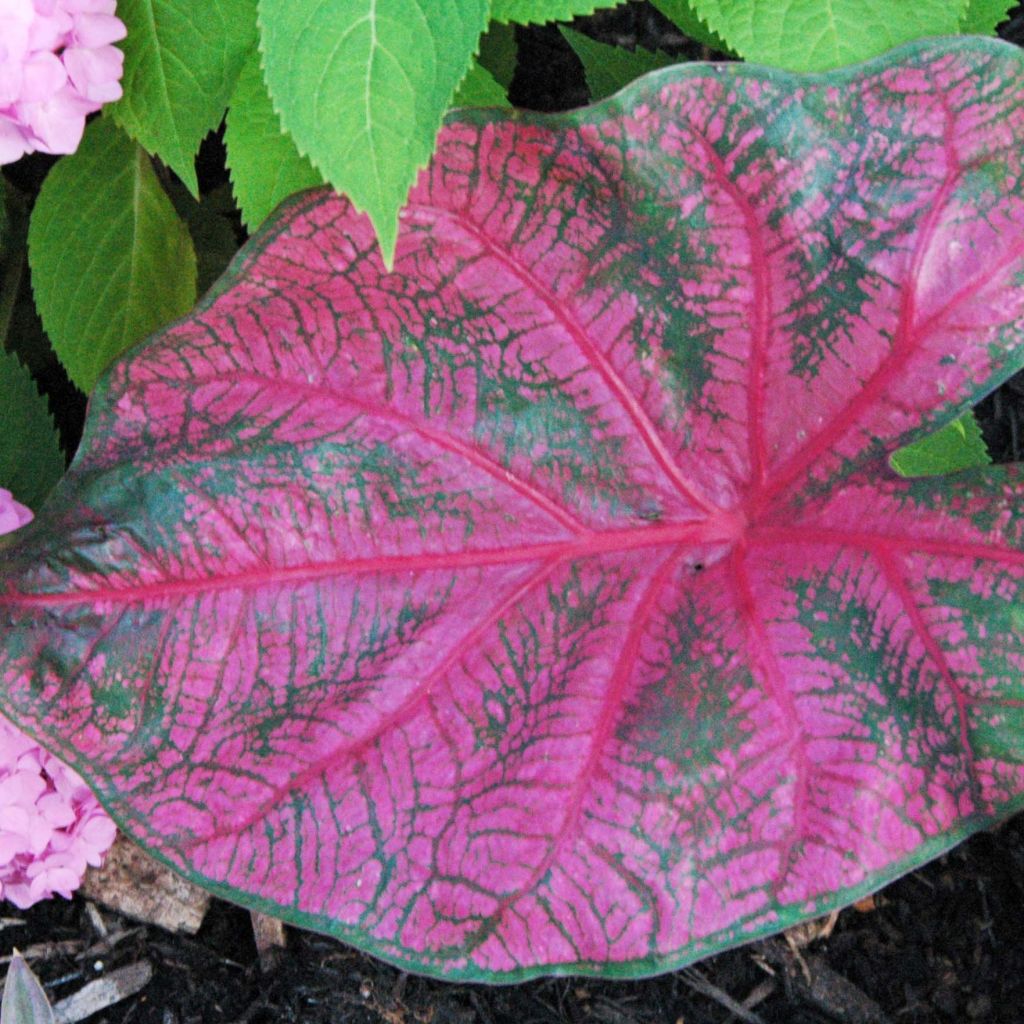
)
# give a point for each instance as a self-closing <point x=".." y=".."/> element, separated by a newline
<point x="58" y="123"/>
<point x="95" y="30"/>
<point x="12" y="513"/>
<point x="44" y="75"/>
<point x="56" y="810"/>
<point x="19" y="894"/>
<point x="95" y="74"/>
<point x="49" y="32"/>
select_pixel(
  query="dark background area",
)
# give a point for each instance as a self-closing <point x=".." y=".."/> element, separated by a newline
<point x="943" y="944"/>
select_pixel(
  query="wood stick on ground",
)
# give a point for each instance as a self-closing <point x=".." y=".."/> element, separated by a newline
<point x="103" y="992"/>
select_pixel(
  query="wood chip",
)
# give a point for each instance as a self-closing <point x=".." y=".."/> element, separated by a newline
<point x="103" y="992"/>
<point x="270" y="939"/>
<point x="47" y="950"/>
<point x="134" y="884"/>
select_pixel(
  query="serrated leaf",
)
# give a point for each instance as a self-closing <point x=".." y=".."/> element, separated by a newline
<point x="983" y="17"/>
<point x="815" y="35"/>
<point x="480" y="89"/>
<point x="211" y="228"/>
<point x="958" y="445"/>
<point x="24" y="1001"/>
<point x="362" y="86"/>
<point x="548" y="603"/>
<point x="181" y="60"/>
<point x="499" y="52"/>
<point x="30" y="458"/>
<point x="13" y="229"/>
<point x="526" y="12"/>
<point x="609" y="68"/>
<point x="110" y="259"/>
<point x="682" y="14"/>
<point x="265" y="166"/>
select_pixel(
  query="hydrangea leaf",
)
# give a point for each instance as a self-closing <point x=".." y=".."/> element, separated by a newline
<point x="548" y="603"/>
<point x="181" y="60"/>
<point x="499" y="52"/>
<point x="525" y="12"/>
<point x="814" y="35"/>
<point x="362" y="87"/>
<point x="682" y="14"/>
<point x="30" y="458"/>
<point x="480" y="89"/>
<point x="983" y="17"/>
<point x="111" y="261"/>
<point x="265" y="166"/>
<point x="610" y="68"/>
<point x="956" y="446"/>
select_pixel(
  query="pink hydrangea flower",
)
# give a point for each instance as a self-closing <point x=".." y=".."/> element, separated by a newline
<point x="57" y="65"/>
<point x="51" y="826"/>
<point x="12" y="513"/>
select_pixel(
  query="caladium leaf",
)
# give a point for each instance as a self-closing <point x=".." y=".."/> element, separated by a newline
<point x="548" y="604"/>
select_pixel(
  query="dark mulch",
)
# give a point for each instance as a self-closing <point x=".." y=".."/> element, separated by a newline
<point x="943" y="944"/>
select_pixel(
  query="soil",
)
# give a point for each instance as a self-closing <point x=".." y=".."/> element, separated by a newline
<point x="942" y="944"/>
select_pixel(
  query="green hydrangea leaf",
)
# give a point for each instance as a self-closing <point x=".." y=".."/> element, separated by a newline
<point x="30" y="458"/>
<point x="480" y="89"/>
<point x="956" y="446"/>
<point x="210" y="223"/>
<point x="682" y="14"/>
<point x="181" y="60"/>
<point x="609" y="68"/>
<point x="111" y="261"/>
<point x="362" y="86"/>
<point x="499" y="52"/>
<point x="265" y="166"/>
<point x="12" y="254"/>
<point x="814" y="35"/>
<point x="983" y="17"/>
<point x="525" y="12"/>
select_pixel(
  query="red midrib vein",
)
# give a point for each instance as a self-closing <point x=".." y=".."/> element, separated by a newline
<point x="353" y="748"/>
<point x="906" y="341"/>
<point x="776" y="689"/>
<point x="723" y="528"/>
<point x="760" y="327"/>
<point x="471" y="453"/>
<point x="895" y="577"/>
<point x="611" y="709"/>
<point x="645" y="428"/>
<point x="874" y="542"/>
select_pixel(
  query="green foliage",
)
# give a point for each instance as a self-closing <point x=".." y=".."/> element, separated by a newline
<point x="24" y="1000"/>
<point x="362" y="87"/>
<point x="210" y="225"/>
<point x="526" y="11"/>
<point x="814" y="35"/>
<point x="681" y="13"/>
<point x="480" y="89"/>
<point x="498" y="52"/>
<point x="983" y="17"/>
<point x="182" y="58"/>
<point x="609" y="68"/>
<point x="265" y="165"/>
<point x="30" y="458"/>
<point x="111" y="261"/>
<point x="12" y="256"/>
<point x="958" y="445"/>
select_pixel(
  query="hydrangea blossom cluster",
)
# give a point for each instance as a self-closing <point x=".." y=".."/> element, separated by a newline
<point x="51" y="826"/>
<point x="57" y="65"/>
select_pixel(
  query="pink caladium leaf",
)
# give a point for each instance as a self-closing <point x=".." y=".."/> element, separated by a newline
<point x="548" y="604"/>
